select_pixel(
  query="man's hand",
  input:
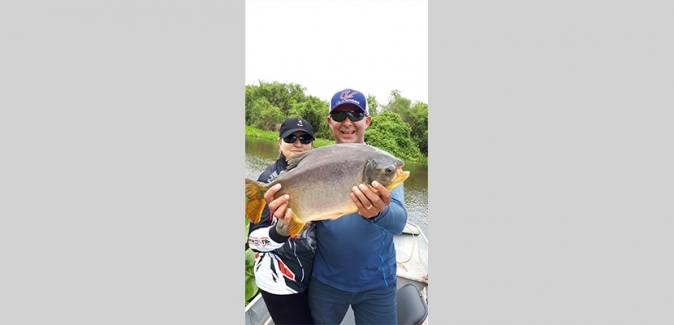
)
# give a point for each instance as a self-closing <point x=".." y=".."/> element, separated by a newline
<point x="370" y="203"/>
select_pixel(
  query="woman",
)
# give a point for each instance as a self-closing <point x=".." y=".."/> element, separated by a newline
<point x="283" y="265"/>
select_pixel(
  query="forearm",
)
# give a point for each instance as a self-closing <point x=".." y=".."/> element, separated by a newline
<point x="265" y="239"/>
<point x="263" y="236"/>
<point x="394" y="217"/>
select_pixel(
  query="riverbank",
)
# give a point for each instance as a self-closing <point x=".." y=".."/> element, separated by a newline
<point x="318" y="142"/>
<point x="271" y="135"/>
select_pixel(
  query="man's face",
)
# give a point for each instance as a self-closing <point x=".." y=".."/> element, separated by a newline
<point x="349" y="131"/>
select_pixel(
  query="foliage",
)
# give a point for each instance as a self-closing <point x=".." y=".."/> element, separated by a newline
<point x="415" y="115"/>
<point x="418" y="121"/>
<point x="251" y="286"/>
<point x="257" y="133"/>
<point x="379" y="128"/>
<point x="247" y="225"/>
<point x="269" y="103"/>
<point x="388" y="132"/>
<point x="273" y="136"/>
<point x="397" y="103"/>
<point x="372" y="105"/>
<point x="280" y="95"/>
<point x="264" y="115"/>
<point x="315" y="111"/>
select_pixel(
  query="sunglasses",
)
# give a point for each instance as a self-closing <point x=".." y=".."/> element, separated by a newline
<point x="303" y="139"/>
<point x="354" y="116"/>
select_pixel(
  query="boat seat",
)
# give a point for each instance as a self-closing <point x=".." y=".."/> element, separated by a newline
<point x="412" y="309"/>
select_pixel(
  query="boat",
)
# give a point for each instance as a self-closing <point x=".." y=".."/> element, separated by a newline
<point x="412" y="272"/>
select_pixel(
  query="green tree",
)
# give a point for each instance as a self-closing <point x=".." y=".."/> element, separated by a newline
<point x="314" y="110"/>
<point x="388" y="132"/>
<point x="281" y="95"/>
<point x="397" y="104"/>
<point x="418" y="122"/>
<point x="372" y="105"/>
<point x="264" y="115"/>
<point x="251" y="95"/>
<point x="415" y="115"/>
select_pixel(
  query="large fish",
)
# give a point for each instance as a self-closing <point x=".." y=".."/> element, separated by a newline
<point x="319" y="182"/>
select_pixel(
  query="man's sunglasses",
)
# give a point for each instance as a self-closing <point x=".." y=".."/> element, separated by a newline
<point x="303" y="139"/>
<point x="354" y="116"/>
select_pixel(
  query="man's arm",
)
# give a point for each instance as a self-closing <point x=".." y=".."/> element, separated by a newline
<point x="394" y="216"/>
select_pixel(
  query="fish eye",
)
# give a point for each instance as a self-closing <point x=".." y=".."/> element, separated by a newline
<point x="389" y="170"/>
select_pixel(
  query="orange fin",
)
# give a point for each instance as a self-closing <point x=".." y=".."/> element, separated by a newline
<point x="295" y="226"/>
<point x="254" y="200"/>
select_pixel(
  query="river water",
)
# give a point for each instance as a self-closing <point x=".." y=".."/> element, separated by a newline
<point x="260" y="153"/>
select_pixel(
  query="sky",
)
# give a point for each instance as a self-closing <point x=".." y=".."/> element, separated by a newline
<point x="372" y="46"/>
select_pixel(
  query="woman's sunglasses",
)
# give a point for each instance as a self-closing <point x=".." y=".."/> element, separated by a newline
<point x="354" y="116"/>
<point x="303" y="139"/>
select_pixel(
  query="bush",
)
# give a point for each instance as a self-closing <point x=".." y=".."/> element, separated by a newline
<point x="388" y="132"/>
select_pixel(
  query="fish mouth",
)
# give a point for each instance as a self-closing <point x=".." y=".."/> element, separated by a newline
<point x="401" y="176"/>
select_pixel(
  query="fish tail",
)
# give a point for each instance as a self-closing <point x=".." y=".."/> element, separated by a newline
<point x="254" y="201"/>
<point x="295" y="226"/>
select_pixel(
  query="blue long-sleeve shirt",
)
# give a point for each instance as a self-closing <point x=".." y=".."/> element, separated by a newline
<point x="356" y="254"/>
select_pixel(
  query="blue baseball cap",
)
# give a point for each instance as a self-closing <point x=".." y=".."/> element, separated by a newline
<point x="349" y="96"/>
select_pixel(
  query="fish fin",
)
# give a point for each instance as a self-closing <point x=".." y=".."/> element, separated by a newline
<point x="295" y="226"/>
<point x="295" y="159"/>
<point x="254" y="200"/>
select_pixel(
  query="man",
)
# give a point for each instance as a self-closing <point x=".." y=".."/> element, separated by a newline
<point x="355" y="263"/>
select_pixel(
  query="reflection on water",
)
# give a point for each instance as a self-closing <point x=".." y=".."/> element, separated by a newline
<point x="261" y="153"/>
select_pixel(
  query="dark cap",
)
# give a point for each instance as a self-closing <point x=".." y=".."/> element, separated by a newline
<point x="292" y="125"/>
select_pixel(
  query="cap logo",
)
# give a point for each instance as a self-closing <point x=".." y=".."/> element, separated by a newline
<point x="299" y="122"/>
<point x="347" y="94"/>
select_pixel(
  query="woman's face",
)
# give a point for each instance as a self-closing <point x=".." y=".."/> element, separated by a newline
<point x="289" y="149"/>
